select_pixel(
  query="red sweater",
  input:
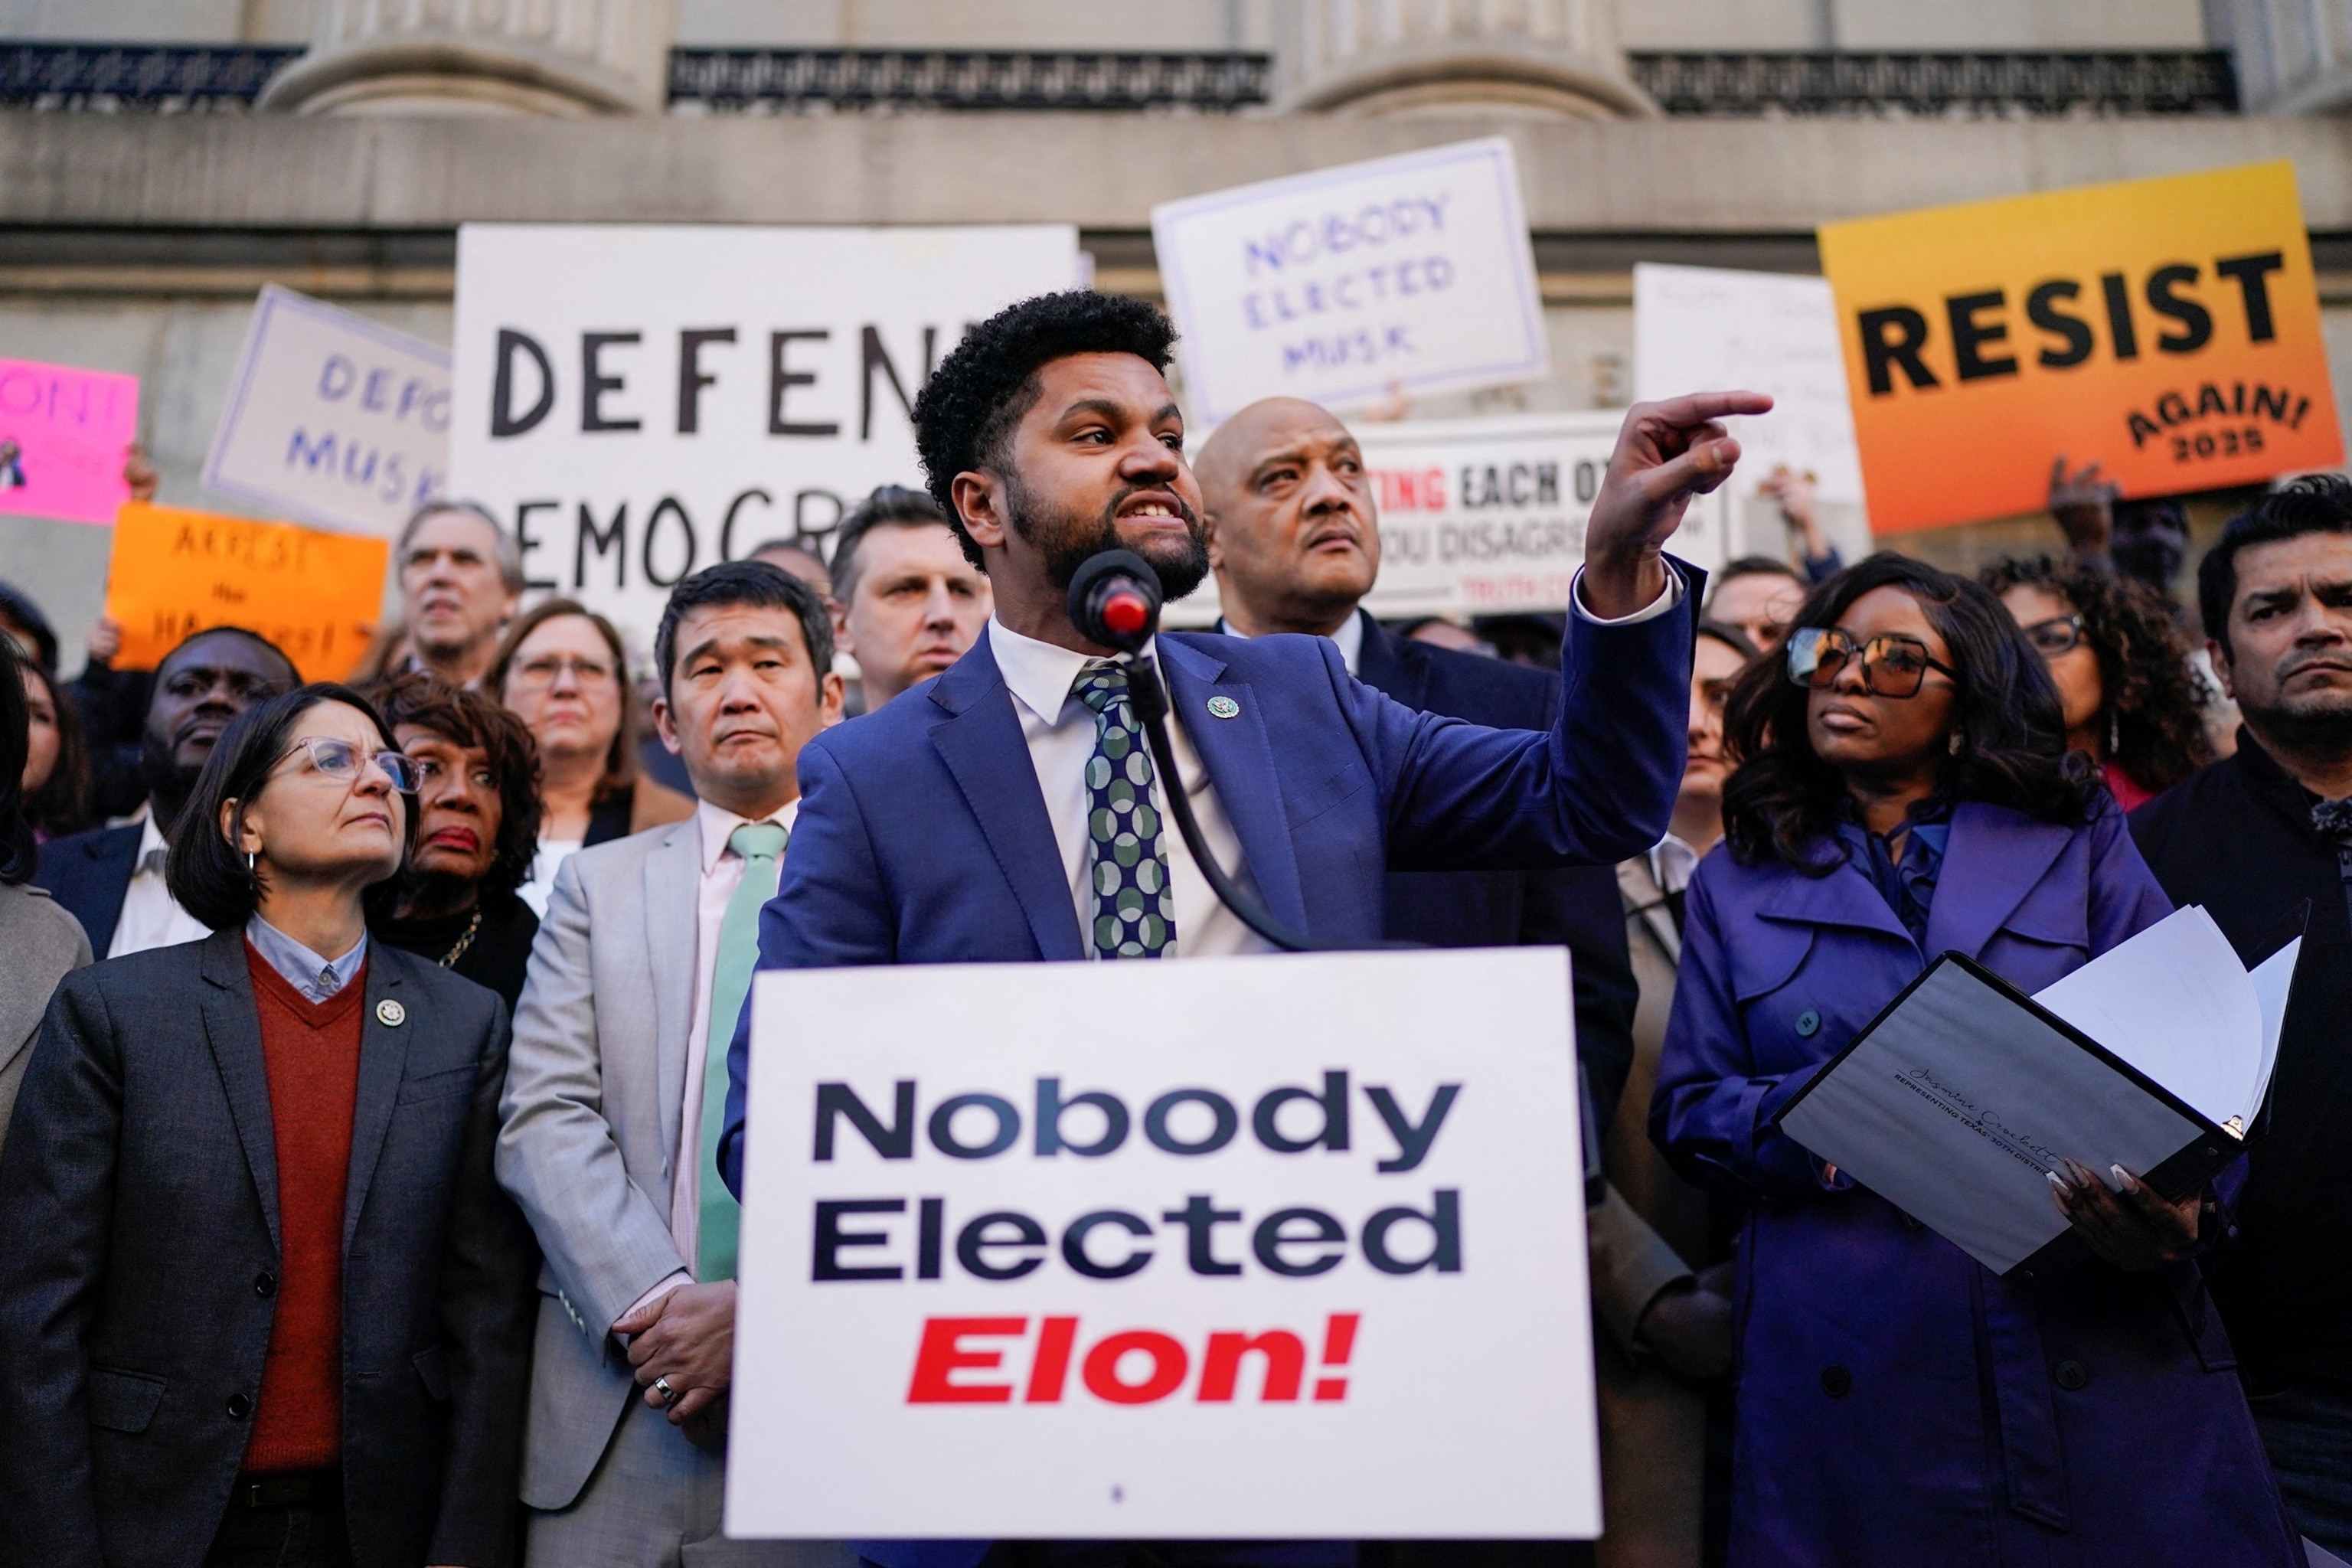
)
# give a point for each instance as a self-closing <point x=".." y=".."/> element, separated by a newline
<point x="312" y="1052"/>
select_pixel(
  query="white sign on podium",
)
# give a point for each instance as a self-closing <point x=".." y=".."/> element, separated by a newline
<point x="1246" y="1248"/>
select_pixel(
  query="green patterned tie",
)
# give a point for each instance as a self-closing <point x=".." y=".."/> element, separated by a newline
<point x="761" y="845"/>
<point x="1135" y="911"/>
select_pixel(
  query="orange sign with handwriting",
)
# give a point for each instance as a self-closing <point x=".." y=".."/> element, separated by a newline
<point x="315" y="593"/>
<point x="2167" y="329"/>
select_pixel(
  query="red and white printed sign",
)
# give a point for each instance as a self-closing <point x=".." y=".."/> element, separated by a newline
<point x="1257" y="1247"/>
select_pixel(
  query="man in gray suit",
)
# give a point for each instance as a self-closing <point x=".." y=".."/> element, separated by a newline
<point x="641" y="964"/>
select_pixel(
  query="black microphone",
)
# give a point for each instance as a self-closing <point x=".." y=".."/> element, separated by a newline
<point x="1115" y="600"/>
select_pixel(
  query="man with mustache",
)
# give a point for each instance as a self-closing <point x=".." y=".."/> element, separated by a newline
<point x="959" y="823"/>
<point x="2252" y="838"/>
<point x="615" y="1080"/>
<point x="111" y="878"/>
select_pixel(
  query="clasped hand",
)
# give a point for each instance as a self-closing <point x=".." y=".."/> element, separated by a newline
<point x="2134" y="1229"/>
<point x="689" y="1338"/>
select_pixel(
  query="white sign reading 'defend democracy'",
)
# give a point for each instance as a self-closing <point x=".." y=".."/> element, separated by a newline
<point x="1482" y="517"/>
<point x="640" y="402"/>
<point x="332" y="418"/>
<point x="1223" y="1249"/>
<point x="1711" y="329"/>
<point x="1413" y="271"/>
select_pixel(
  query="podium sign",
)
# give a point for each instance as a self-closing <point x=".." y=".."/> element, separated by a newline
<point x="1247" y="1248"/>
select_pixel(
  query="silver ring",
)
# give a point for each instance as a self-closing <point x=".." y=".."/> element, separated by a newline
<point x="668" y="1394"/>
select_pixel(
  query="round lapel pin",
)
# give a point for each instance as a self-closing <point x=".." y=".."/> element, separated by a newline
<point x="390" y="1014"/>
<point x="1224" y="707"/>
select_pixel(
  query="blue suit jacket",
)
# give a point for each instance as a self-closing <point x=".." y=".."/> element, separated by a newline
<point x="90" y="873"/>
<point x="1575" y="907"/>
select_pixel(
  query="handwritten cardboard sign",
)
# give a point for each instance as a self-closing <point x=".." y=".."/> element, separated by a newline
<point x="1414" y="270"/>
<point x="332" y="418"/>
<point x="2168" y="329"/>
<point x="63" y="434"/>
<point x="1256" y="1264"/>
<point x="175" y="573"/>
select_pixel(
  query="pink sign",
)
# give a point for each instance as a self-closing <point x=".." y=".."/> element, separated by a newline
<point x="63" y="433"/>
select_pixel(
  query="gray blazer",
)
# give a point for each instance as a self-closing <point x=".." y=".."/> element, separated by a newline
<point x="139" y="1255"/>
<point x="595" y="1085"/>
<point x="44" y="944"/>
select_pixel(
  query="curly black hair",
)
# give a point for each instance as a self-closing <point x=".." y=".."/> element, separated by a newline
<point x="2153" y="696"/>
<point x="1783" y="800"/>
<point x="967" y="411"/>
<point x="465" y="717"/>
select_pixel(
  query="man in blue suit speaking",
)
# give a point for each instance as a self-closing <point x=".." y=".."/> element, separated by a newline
<point x="1007" y="810"/>
<point x="957" y="823"/>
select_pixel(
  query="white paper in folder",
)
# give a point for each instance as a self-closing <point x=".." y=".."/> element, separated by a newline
<point x="2174" y="1003"/>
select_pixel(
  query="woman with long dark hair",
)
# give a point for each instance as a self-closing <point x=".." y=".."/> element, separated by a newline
<point x="261" y="1298"/>
<point x="2131" y="700"/>
<point x="42" y="943"/>
<point x="55" y="775"/>
<point x="1903" y="788"/>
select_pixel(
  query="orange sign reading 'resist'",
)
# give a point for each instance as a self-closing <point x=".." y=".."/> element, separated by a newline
<point x="2167" y="329"/>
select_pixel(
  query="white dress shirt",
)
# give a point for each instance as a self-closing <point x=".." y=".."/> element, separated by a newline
<point x="1673" y="863"/>
<point x="150" y="917"/>
<point x="1060" y="730"/>
<point x="316" y="976"/>
<point x="1349" y="636"/>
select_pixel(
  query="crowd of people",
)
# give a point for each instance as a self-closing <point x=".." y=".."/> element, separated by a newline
<point x="372" y="1055"/>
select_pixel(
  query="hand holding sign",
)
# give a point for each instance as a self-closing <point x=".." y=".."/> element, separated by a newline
<point x="1666" y="453"/>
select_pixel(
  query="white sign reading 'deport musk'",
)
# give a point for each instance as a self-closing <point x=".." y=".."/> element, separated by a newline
<point x="637" y="401"/>
<point x="1413" y="271"/>
<point x="333" y="418"/>
<point x="1263" y="1247"/>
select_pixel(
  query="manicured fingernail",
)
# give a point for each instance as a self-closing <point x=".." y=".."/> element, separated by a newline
<point x="2124" y="1178"/>
<point x="2060" y="1182"/>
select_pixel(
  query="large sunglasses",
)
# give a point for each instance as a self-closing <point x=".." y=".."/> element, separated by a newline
<point x="341" y="760"/>
<point x="2059" y="633"/>
<point x="1892" y="665"/>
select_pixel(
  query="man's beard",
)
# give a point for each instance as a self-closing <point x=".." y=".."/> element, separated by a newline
<point x="1068" y="542"/>
<point x="2317" y="727"/>
<point x="169" y="782"/>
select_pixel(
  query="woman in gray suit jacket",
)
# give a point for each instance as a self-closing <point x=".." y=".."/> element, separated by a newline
<point x="43" y="943"/>
<point x="261" y="1298"/>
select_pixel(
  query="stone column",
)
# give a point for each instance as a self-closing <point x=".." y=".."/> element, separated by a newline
<point x="2293" y="57"/>
<point x="1542" y="58"/>
<point x="564" y="58"/>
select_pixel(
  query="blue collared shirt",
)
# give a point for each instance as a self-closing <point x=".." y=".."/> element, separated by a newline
<point x="317" y="978"/>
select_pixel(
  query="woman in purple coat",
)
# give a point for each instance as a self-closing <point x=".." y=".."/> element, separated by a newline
<point x="1903" y="789"/>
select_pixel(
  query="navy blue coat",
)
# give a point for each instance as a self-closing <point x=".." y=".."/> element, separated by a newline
<point x="1897" y="1402"/>
<point x="88" y="874"/>
<point x="923" y="837"/>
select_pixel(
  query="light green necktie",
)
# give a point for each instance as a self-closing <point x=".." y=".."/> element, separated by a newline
<point x="761" y="845"/>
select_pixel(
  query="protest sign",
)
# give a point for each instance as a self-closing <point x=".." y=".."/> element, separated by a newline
<point x="1211" y="1249"/>
<point x="1709" y="329"/>
<point x="314" y="593"/>
<point x="1482" y="517"/>
<point x="640" y="402"/>
<point x="1414" y="270"/>
<point x="64" y="433"/>
<point x="332" y="418"/>
<point x="2167" y="329"/>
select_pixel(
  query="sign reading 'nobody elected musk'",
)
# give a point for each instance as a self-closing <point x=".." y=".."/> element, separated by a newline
<point x="638" y="402"/>
<point x="1221" y="1248"/>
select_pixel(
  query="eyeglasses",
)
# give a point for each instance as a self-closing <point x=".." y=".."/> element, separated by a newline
<point x="1892" y="665"/>
<point x="2059" y="633"/>
<point x="543" y="671"/>
<point x="343" y="761"/>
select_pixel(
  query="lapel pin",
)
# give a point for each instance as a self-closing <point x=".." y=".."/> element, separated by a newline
<point x="1224" y="707"/>
<point x="390" y="1014"/>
